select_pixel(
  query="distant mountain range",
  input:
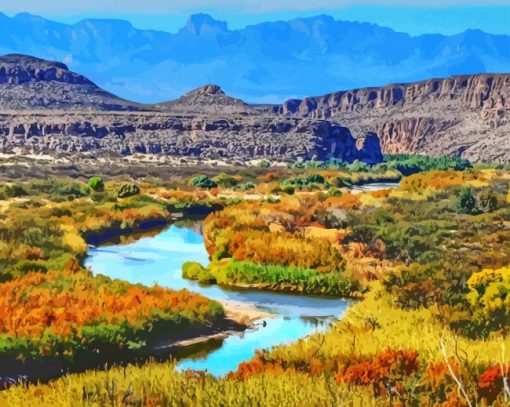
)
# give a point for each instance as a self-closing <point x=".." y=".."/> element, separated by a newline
<point x="267" y="62"/>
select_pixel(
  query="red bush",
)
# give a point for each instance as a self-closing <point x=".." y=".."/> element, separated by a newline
<point x="389" y="367"/>
<point x="490" y="382"/>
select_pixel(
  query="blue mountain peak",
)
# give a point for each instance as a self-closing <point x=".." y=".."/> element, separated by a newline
<point x="266" y="62"/>
<point x="201" y="24"/>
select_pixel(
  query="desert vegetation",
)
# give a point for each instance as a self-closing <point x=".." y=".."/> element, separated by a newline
<point x="428" y="262"/>
<point x="51" y="307"/>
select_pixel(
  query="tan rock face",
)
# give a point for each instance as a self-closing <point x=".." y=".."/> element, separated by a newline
<point x="206" y="137"/>
<point x="208" y="90"/>
<point x="467" y="115"/>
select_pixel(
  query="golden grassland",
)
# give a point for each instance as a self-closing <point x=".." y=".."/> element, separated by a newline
<point x="431" y="330"/>
<point x="156" y="384"/>
<point x="376" y="324"/>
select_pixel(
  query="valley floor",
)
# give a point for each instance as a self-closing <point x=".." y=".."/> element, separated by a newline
<point x="429" y="262"/>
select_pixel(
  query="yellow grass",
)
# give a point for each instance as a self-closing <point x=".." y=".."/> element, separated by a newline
<point x="157" y="384"/>
<point x="398" y="329"/>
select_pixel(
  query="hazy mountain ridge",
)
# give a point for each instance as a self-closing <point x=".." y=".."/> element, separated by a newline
<point x="262" y="62"/>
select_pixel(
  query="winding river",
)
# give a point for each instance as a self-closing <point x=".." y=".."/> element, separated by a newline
<point x="158" y="259"/>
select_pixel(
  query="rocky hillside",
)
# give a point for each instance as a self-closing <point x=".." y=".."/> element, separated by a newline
<point x="467" y="115"/>
<point x="33" y="83"/>
<point x="208" y="98"/>
<point x="47" y="109"/>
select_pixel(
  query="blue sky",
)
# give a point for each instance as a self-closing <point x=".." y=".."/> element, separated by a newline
<point x="446" y="17"/>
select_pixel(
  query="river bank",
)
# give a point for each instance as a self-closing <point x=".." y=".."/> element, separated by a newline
<point x="121" y="221"/>
<point x="241" y="315"/>
<point x="238" y="318"/>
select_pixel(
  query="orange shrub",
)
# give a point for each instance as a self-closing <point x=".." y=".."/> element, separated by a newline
<point x="270" y="176"/>
<point x="37" y="303"/>
<point x="182" y="195"/>
<point x="388" y="367"/>
<point x="435" y="179"/>
<point x="267" y="233"/>
<point x="253" y="367"/>
<point x="346" y="201"/>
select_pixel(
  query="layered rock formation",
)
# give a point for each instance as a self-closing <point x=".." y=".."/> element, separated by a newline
<point x="233" y="138"/>
<point x="46" y="109"/>
<point x="465" y="115"/>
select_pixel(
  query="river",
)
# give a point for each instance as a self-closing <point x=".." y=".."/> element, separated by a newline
<point x="158" y="260"/>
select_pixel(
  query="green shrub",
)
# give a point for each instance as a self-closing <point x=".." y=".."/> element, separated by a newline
<point x="313" y="181"/>
<point x="97" y="184"/>
<point x="66" y="190"/>
<point x="289" y="189"/>
<point x="282" y="278"/>
<point x="415" y="286"/>
<point x="195" y="271"/>
<point x="334" y="191"/>
<point x="203" y="181"/>
<point x="246" y="186"/>
<point x="127" y="190"/>
<point x="466" y="202"/>
<point x="409" y="164"/>
<point x="225" y="180"/>
<point x="13" y="191"/>
<point x="487" y="201"/>
<point x="338" y="182"/>
<point x="264" y="164"/>
<point x="358" y="166"/>
<point x="27" y="266"/>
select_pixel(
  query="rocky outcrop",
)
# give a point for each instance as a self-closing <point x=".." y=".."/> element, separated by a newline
<point x="488" y="91"/>
<point x="369" y="148"/>
<point x="208" y="99"/>
<point x="19" y="69"/>
<point x="241" y="138"/>
<point x="28" y="83"/>
<point x="466" y="115"/>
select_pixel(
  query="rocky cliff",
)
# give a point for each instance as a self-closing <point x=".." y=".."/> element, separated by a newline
<point x="209" y="99"/>
<point x="465" y="115"/>
<point x="47" y="109"/>
<point x="44" y="107"/>
<point x="232" y="138"/>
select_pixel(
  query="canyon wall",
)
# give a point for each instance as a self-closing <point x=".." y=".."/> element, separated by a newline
<point x="464" y="115"/>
